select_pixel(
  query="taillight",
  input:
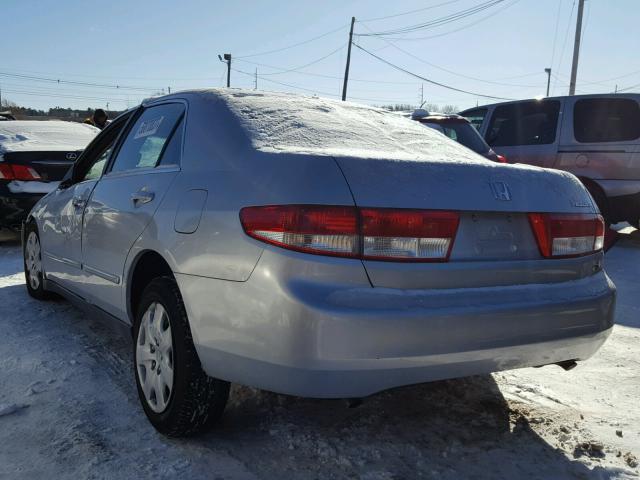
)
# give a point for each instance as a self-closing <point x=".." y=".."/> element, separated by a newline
<point x="567" y="234"/>
<point x="367" y="233"/>
<point x="502" y="159"/>
<point x="306" y="228"/>
<point x="408" y="235"/>
<point x="17" y="172"/>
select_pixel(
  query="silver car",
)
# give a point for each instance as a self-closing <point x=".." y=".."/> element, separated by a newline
<point x="315" y="248"/>
<point x="595" y="137"/>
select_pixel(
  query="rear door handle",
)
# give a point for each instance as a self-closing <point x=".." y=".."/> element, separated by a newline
<point x="142" y="197"/>
<point x="78" y="202"/>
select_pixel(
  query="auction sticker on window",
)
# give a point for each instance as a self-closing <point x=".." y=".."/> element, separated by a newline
<point x="148" y="128"/>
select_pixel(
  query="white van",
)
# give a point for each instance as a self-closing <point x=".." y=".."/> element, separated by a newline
<point x="595" y="137"/>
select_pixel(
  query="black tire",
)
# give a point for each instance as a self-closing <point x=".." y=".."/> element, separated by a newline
<point x="197" y="401"/>
<point x="36" y="291"/>
<point x="601" y="201"/>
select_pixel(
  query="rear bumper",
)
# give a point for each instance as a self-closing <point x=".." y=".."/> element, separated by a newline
<point x="14" y="207"/>
<point x="309" y="338"/>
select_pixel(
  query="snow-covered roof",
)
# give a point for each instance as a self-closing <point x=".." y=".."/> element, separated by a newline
<point x="48" y="135"/>
<point x="283" y="122"/>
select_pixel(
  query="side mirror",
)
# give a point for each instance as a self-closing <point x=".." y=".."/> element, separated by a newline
<point x="67" y="180"/>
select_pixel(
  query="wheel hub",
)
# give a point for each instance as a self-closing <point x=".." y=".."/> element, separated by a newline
<point x="33" y="260"/>
<point x="154" y="357"/>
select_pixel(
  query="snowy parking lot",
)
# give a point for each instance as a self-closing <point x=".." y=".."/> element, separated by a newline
<point x="69" y="409"/>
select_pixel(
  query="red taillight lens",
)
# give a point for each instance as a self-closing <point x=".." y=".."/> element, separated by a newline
<point x="567" y="235"/>
<point x="17" y="172"/>
<point x="307" y="228"/>
<point x="368" y="233"/>
<point x="409" y="235"/>
<point x="502" y="159"/>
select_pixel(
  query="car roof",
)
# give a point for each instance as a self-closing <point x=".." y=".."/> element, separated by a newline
<point x="287" y="123"/>
<point x="561" y="97"/>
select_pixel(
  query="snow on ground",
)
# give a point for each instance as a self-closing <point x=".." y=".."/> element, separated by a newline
<point x="69" y="409"/>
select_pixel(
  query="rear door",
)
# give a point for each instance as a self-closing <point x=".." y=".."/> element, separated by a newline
<point x="61" y="218"/>
<point x="126" y="197"/>
<point x="526" y="132"/>
<point x="602" y="138"/>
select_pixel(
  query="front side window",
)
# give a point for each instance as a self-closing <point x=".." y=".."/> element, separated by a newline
<point x="92" y="166"/>
<point x="96" y="169"/>
<point x="146" y="141"/>
<point x="476" y="116"/>
<point x="606" y="120"/>
<point x="524" y="123"/>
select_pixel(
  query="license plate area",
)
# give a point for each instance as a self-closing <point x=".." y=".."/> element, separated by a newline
<point x="494" y="236"/>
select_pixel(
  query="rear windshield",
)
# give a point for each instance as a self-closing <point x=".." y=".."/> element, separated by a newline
<point x="279" y="122"/>
<point x="463" y="133"/>
<point x="476" y="116"/>
<point x="606" y="120"/>
<point x="524" y="123"/>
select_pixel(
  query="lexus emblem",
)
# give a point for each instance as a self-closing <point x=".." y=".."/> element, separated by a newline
<point x="501" y="191"/>
<point x="72" y="156"/>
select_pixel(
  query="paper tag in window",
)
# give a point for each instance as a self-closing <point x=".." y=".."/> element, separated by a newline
<point x="148" y="128"/>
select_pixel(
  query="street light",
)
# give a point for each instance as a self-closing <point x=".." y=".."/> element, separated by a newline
<point x="226" y="58"/>
<point x="548" y="72"/>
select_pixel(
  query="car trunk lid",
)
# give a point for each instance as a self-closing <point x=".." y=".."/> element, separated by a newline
<point x="494" y="244"/>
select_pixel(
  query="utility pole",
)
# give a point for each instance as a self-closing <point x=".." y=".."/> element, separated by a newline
<point x="255" y="85"/>
<point x="421" y="95"/>
<point x="576" y="49"/>
<point x="226" y="58"/>
<point x="346" y="70"/>
<point x="548" y="72"/>
<point x="169" y="89"/>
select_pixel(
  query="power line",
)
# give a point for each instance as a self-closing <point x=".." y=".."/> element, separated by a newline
<point x="451" y="71"/>
<point x="464" y="27"/>
<point x="328" y="94"/>
<point x="295" y="69"/>
<point x="453" y="17"/>
<point x="555" y="33"/>
<point x="564" y="44"/>
<point x="71" y="82"/>
<point x="427" y="79"/>
<point x="629" y="88"/>
<point x="73" y="97"/>
<point x="410" y="11"/>
<point x="292" y="46"/>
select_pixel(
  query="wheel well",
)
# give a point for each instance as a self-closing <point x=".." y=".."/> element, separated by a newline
<point x="593" y="186"/>
<point x="149" y="265"/>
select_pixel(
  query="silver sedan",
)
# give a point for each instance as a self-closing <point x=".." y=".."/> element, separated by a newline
<point x="314" y="248"/>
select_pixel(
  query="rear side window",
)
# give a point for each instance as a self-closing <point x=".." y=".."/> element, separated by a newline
<point x="476" y="116"/>
<point x="606" y="120"/>
<point x="147" y="140"/>
<point x="524" y="123"/>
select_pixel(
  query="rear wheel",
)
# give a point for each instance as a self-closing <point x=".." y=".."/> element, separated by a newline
<point x="177" y="395"/>
<point x="33" y="271"/>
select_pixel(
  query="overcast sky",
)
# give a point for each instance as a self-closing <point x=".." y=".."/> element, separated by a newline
<point x="145" y="47"/>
